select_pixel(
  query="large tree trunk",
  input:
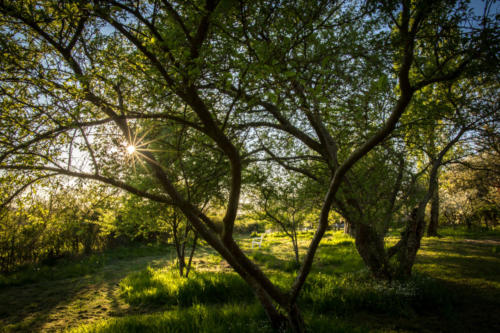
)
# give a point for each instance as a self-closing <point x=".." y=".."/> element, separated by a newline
<point x="409" y="244"/>
<point x="434" y="220"/>
<point x="370" y="246"/>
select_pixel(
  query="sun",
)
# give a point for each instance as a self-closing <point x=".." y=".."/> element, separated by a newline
<point x="131" y="149"/>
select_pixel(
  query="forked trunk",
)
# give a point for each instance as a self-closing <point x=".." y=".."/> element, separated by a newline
<point x="291" y="322"/>
<point x="193" y="248"/>
<point x="410" y="244"/>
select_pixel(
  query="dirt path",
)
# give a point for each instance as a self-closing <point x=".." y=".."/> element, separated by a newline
<point x="56" y="305"/>
<point x="480" y="241"/>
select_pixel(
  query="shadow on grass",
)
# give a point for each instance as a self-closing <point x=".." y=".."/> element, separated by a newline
<point x="64" y="302"/>
<point x="459" y="259"/>
<point x="26" y="308"/>
<point x="471" y="271"/>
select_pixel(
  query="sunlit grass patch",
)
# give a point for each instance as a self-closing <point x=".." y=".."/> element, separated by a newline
<point x="459" y="261"/>
<point x="166" y="287"/>
<point x="338" y="254"/>
<point x="199" y="318"/>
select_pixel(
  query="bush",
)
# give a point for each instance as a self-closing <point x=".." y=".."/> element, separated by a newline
<point x="248" y="225"/>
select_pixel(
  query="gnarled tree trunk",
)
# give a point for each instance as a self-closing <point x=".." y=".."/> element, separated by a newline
<point x="370" y="246"/>
<point x="408" y="246"/>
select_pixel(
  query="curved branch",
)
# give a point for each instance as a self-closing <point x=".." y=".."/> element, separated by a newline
<point x="106" y="180"/>
<point x="23" y="187"/>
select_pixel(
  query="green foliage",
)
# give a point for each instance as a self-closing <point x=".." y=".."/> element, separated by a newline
<point x="53" y="221"/>
<point x="142" y="220"/>
<point x="470" y="192"/>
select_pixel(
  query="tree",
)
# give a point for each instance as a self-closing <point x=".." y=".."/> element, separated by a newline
<point x="470" y="191"/>
<point x="53" y="219"/>
<point x="286" y="202"/>
<point x="333" y="78"/>
<point x="150" y="220"/>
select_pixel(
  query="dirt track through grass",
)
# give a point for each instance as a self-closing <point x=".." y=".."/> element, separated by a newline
<point x="56" y="305"/>
<point x="471" y="268"/>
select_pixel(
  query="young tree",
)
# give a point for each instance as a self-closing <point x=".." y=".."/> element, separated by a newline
<point x="150" y="220"/>
<point x="285" y="202"/>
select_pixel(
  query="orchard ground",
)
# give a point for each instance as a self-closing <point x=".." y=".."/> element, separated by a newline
<point x="456" y="287"/>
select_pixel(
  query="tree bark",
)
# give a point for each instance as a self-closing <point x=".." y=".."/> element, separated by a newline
<point x="370" y="246"/>
<point x="190" y="261"/>
<point x="410" y="243"/>
<point x="349" y="229"/>
<point x="434" y="220"/>
<point x="295" y="320"/>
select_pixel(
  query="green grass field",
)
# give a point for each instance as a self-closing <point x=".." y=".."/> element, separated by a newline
<point x="456" y="287"/>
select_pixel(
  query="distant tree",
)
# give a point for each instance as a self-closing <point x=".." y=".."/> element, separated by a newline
<point x="471" y="191"/>
<point x="53" y="219"/>
<point x="284" y="202"/>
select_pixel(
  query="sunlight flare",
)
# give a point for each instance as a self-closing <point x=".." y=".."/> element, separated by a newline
<point x="131" y="149"/>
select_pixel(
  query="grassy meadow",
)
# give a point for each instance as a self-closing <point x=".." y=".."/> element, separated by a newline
<point x="456" y="287"/>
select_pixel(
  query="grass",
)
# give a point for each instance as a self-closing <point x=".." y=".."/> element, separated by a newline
<point x="473" y="233"/>
<point x="456" y="288"/>
<point x="164" y="287"/>
<point x="65" y="268"/>
<point x="198" y="318"/>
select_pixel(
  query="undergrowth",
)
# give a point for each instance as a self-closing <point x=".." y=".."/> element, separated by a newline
<point x="70" y="267"/>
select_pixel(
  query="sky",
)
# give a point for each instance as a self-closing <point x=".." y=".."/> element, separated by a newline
<point x="478" y="7"/>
